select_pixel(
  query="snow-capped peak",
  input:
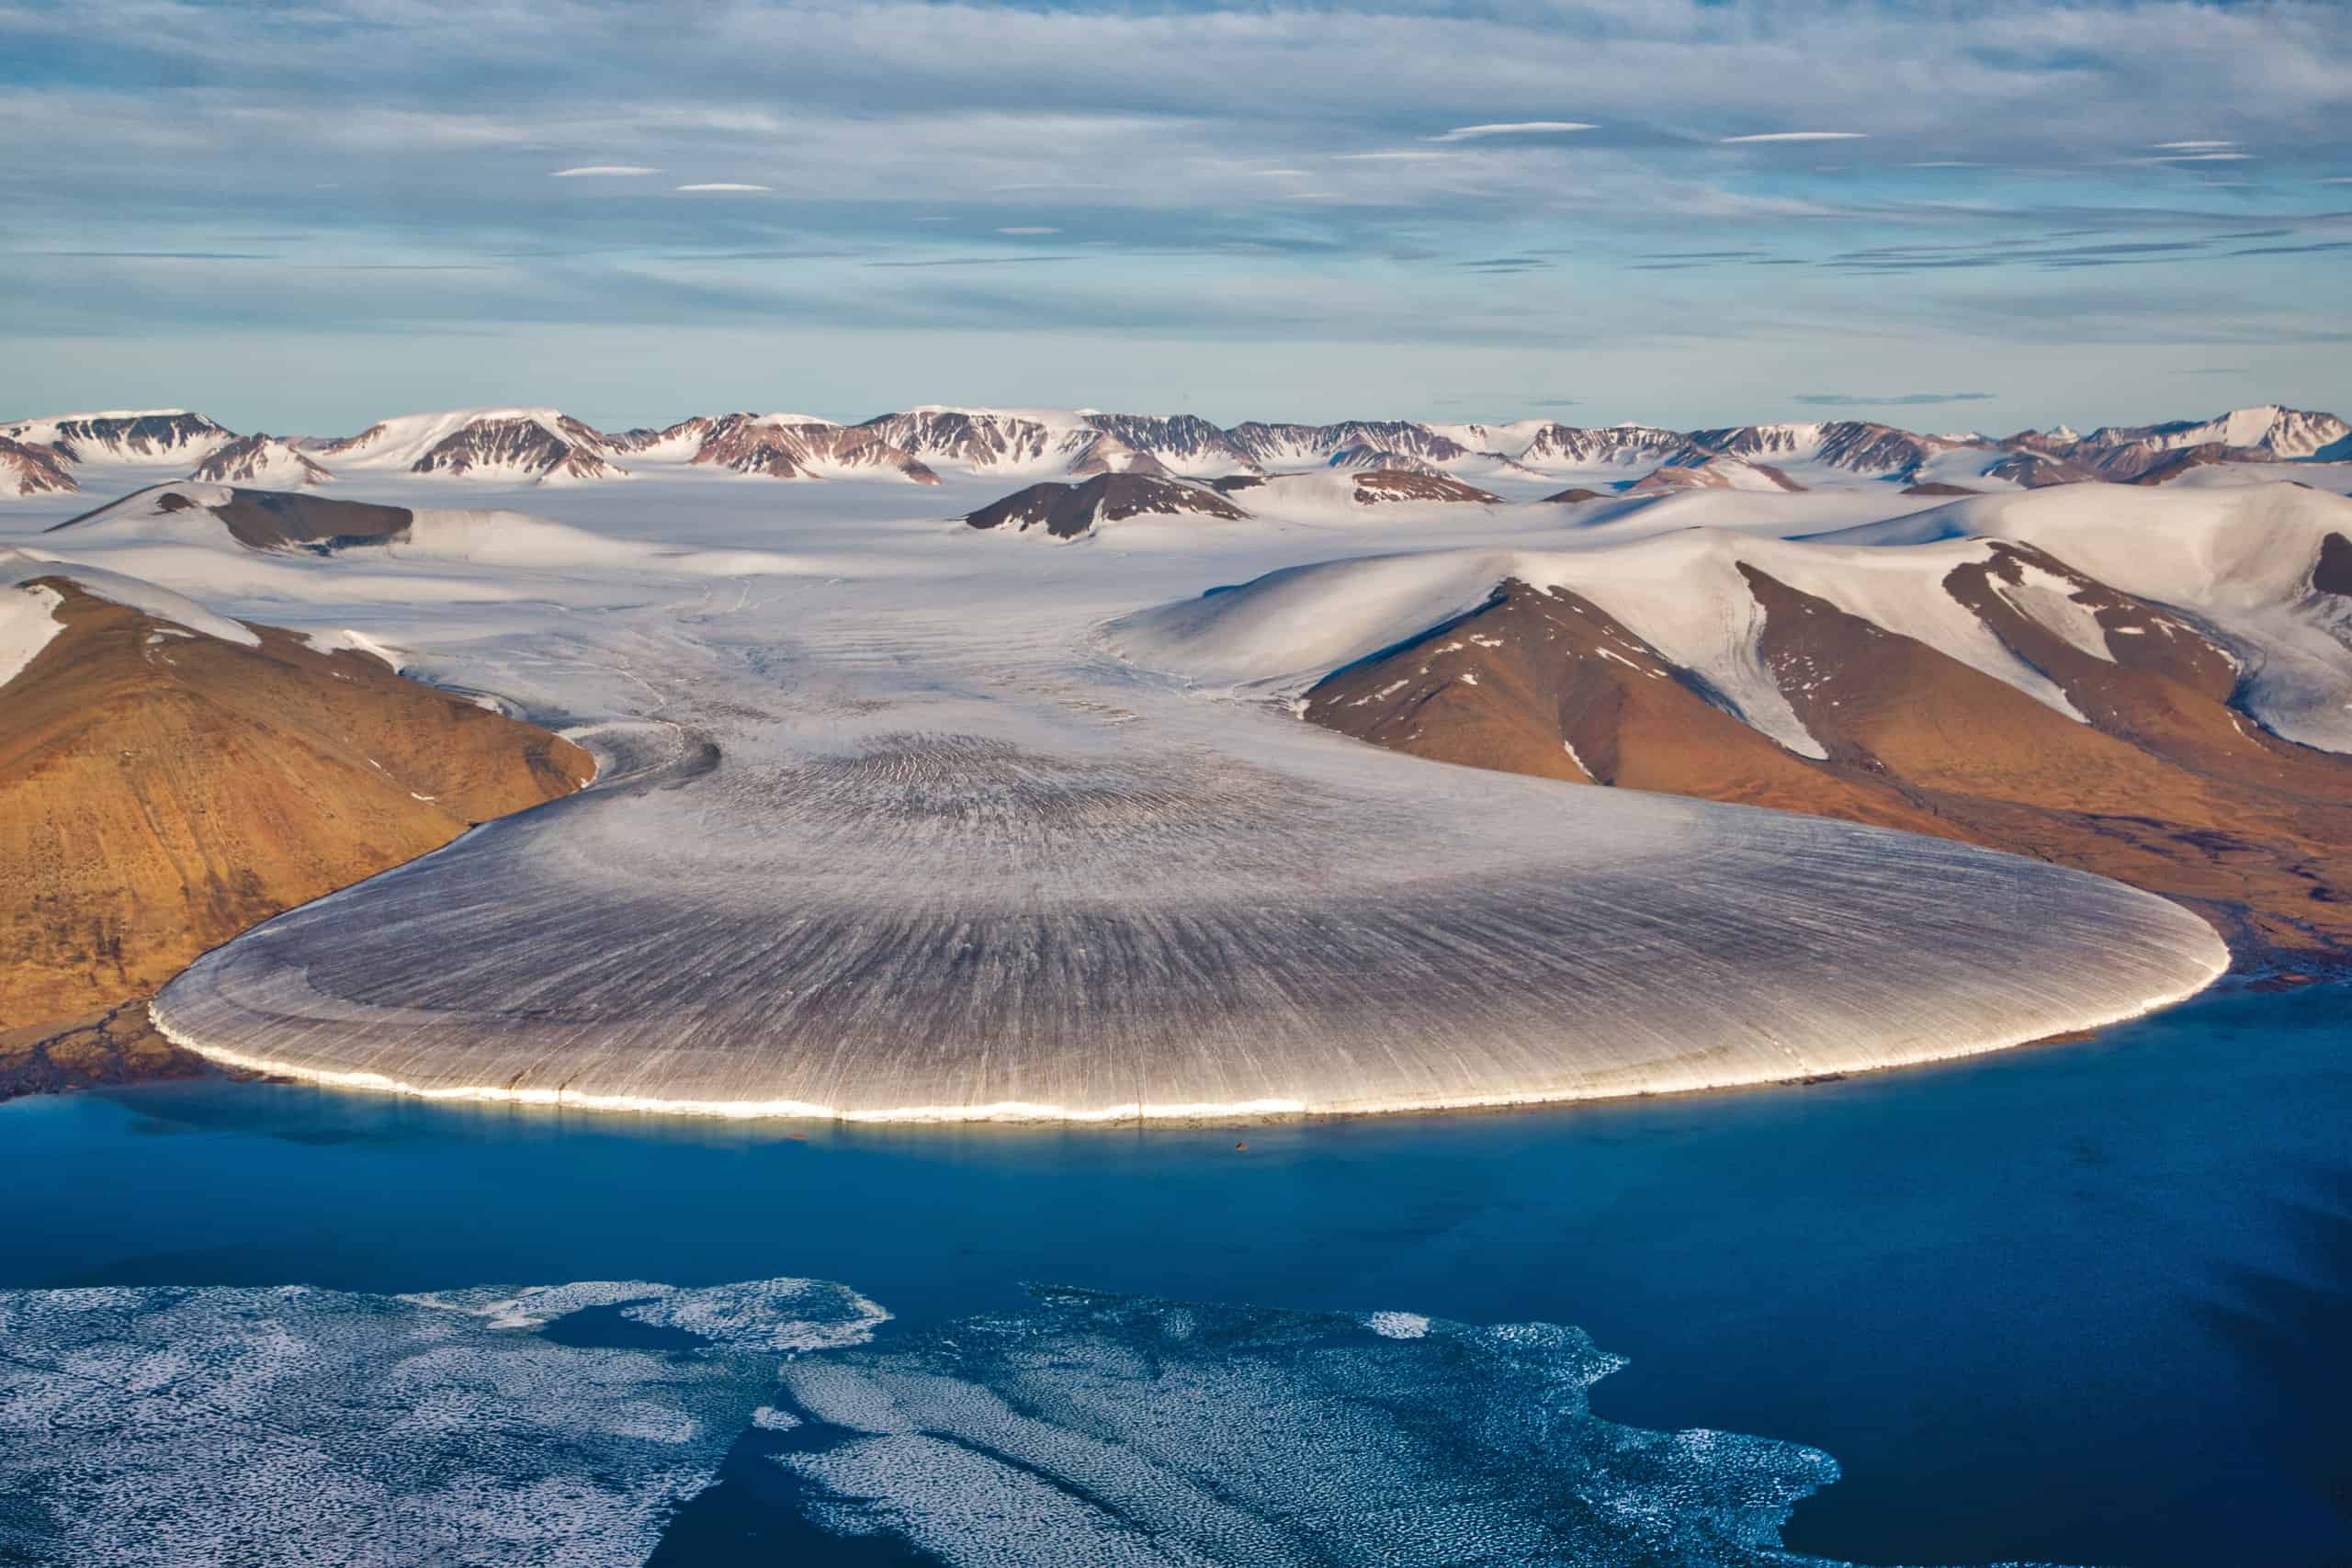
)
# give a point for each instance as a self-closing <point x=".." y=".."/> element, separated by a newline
<point x="537" y="444"/>
<point x="121" y="436"/>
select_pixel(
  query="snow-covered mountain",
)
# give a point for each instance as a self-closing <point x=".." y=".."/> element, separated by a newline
<point x="1182" y="444"/>
<point x="537" y="445"/>
<point x="1365" y="455"/>
<point x="30" y="468"/>
<point x="1701" y="470"/>
<point x="270" y="462"/>
<point x="2036" y="469"/>
<point x="1068" y="511"/>
<point x="2276" y="432"/>
<point x="1556" y="447"/>
<point x="121" y="436"/>
<point x="787" y="447"/>
<point x="995" y="441"/>
<point x="1277" y="446"/>
<point x="2058" y="597"/>
<point x="925" y="444"/>
<point x="1859" y="447"/>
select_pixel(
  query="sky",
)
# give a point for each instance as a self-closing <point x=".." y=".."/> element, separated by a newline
<point x="1947" y="214"/>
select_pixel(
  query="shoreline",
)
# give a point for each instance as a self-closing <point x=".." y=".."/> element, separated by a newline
<point x="1132" y="1115"/>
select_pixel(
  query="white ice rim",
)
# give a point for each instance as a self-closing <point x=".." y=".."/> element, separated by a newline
<point x="1029" y="1112"/>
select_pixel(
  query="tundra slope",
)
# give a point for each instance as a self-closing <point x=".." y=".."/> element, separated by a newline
<point x="169" y="777"/>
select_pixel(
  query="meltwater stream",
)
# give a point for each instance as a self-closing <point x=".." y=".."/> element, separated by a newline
<point x="2083" y="1303"/>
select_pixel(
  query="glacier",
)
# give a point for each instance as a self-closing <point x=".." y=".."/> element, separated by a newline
<point x="891" y="826"/>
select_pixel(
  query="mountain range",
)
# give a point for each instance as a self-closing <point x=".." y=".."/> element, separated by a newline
<point x="545" y="446"/>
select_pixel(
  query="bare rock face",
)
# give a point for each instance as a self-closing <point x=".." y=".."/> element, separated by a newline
<point x="31" y="468"/>
<point x="2333" y="574"/>
<point x="161" y="789"/>
<point x="1067" y="511"/>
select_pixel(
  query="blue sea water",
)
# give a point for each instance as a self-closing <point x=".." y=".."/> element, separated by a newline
<point x="2087" y="1303"/>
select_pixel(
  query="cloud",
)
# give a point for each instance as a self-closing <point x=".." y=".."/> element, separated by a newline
<point x="724" y="185"/>
<point x="2294" y="250"/>
<point x="1511" y="128"/>
<point x="158" y="256"/>
<point x="1902" y="400"/>
<point x="913" y="132"/>
<point x="396" y="266"/>
<point x="975" y="261"/>
<point x="2200" y="158"/>
<point x="1499" y="265"/>
<point x="1029" y="228"/>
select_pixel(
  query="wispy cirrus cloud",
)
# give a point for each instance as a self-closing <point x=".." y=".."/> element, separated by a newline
<point x="2313" y="248"/>
<point x="1604" y="175"/>
<point x="1511" y="128"/>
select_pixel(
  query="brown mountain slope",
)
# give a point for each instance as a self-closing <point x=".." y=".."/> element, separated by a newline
<point x="29" y="469"/>
<point x="1546" y="682"/>
<point x="161" y="791"/>
<point x="2165" y="787"/>
<point x="1068" y="510"/>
